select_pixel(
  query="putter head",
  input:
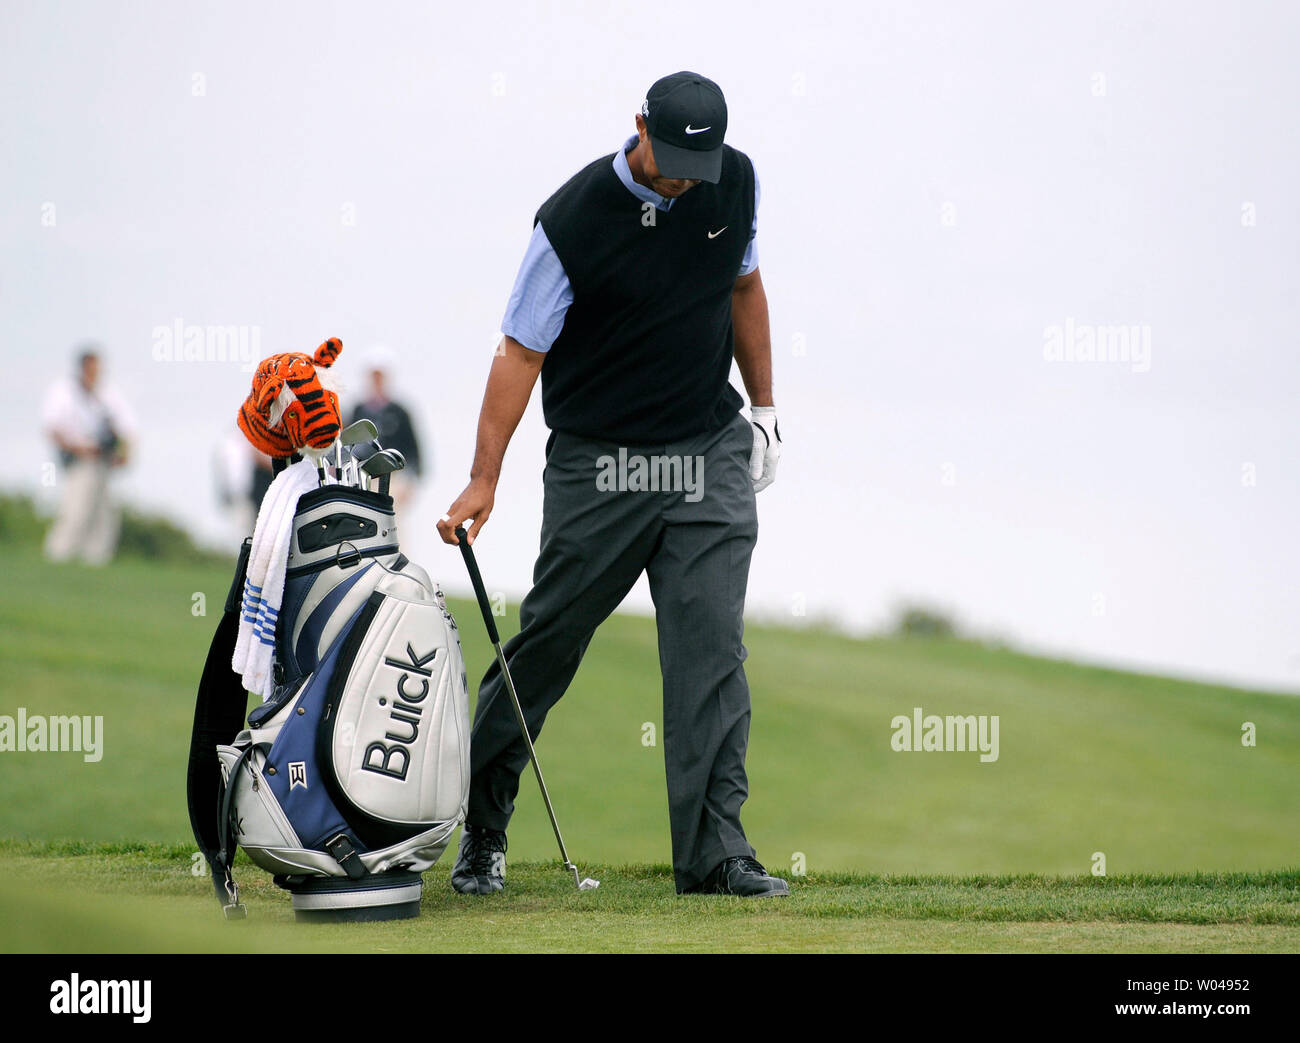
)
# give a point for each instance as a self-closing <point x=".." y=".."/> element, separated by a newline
<point x="587" y="884"/>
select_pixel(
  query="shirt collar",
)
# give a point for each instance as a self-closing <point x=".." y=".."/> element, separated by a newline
<point x="624" y="173"/>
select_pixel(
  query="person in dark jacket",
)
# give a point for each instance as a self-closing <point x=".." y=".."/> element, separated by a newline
<point x="396" y="430"/>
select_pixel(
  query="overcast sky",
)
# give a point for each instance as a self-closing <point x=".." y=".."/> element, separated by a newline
<point x="951" y="192"/>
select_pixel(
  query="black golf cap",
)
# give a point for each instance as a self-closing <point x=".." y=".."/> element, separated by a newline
<point x="686" y="117"/>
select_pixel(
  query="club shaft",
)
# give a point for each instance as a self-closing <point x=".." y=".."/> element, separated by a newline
<point x="532" y="754"/>
<point x="489" y="621"/>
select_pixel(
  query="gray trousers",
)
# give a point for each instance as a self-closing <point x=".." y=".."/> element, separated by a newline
<point x="695" y="544"/>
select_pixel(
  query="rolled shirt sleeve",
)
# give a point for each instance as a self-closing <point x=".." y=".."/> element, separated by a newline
<point x="750" y="261"/>
<point x="540" y="298"/>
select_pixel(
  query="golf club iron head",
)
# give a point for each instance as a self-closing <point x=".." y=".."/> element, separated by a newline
<point x="386" y="461"/>
<point x="363" y="451"/>
<point x="361" y="431"/>
<point x="381" y="465"/>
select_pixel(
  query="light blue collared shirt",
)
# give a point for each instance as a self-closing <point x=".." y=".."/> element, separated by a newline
<point x="542" y="294"/>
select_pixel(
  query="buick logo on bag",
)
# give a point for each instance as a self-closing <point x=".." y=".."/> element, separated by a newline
<point x="409" y="689"/>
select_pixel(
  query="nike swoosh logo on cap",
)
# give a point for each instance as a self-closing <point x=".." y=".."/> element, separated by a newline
<point x="714" y="235"/>
<point x="697" y="130"/>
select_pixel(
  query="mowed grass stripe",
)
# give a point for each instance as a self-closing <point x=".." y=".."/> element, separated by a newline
<point x="1146" y="770"/>
<point x="1262" y="898"/>
<point x="142" y="898"/>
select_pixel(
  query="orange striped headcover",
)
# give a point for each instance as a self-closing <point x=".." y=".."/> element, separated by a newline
<point x="311" y="419"/>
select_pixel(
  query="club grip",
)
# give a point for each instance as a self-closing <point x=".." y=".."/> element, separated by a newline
<point x="480" y="592"/>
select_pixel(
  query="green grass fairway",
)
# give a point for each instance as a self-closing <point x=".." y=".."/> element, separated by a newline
<point x="142" y="898"/>
<point x="1151" y="772"/>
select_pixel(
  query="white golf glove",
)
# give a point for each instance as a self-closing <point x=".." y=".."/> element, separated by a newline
<point x="767" y="446"/>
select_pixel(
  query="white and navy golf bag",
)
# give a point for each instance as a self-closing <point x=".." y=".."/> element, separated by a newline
<point x="349" y="781"/>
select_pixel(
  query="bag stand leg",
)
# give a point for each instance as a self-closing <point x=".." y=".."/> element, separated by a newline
<point x="394" y="895"/>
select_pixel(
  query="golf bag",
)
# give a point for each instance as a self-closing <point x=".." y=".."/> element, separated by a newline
<point x="350" y="779"/>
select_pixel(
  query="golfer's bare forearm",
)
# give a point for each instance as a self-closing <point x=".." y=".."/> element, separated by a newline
<point x="510" y="384"/>
<point x="753" y="333"/>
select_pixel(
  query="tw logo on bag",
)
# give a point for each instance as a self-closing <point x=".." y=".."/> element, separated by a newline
<point x="297" y="774"/>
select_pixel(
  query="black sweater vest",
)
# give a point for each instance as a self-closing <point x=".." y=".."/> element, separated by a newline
<point x="645" y="352"/>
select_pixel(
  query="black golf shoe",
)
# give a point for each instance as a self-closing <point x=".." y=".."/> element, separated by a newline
<point x="480" y="865"/>
<point x="744" y="877"/>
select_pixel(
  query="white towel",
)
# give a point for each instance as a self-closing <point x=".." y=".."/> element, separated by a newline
<point x="259" y="559"/>
<point x="264" y="582"/>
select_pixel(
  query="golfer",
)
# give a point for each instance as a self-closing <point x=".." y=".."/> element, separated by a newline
<point x="639" y="286"/>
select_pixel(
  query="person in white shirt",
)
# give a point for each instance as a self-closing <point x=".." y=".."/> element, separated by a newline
<point x="92" y="428"/>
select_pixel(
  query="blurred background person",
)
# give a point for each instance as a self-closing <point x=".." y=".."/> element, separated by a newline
<point x="92" y="427"/>
<point x="396" y="431"/>
<point x="243" y="475"/>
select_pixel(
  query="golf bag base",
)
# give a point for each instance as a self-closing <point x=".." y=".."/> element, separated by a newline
<point x="349" y="780"/>
<point x="394" y="895"/>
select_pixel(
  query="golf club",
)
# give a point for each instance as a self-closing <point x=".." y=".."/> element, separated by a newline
<point x="399" y="462"/>
<point x="381" y="465"/>
<point x="361" y="452"/>
<point x="352" y="472"/>
<point x="485" y="607"/>
<point x="362" y="430"/>
<point x="337" y="449"/>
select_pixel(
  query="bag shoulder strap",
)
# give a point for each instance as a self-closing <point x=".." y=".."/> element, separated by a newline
<point x="218" y="719"/>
